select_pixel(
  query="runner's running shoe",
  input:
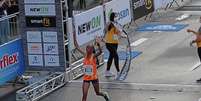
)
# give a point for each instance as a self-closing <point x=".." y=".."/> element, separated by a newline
<point x="108" y="74"/>
<point x="106" y="96"/>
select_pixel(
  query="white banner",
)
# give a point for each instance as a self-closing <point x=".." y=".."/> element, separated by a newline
<point x="39" y="1"/>
<point x="89" y="24"/>
<point x="160" y="3"/>
<point x="35" y="60"/>
<point x="51" y="60"/>
<point x="122" y="7"/>
<point x="40" y="10"/>
<point x="50" y="36"/>
<point x="33" y="36"/>
<point x="35" y="48"/>
<point x="51" y="48"/>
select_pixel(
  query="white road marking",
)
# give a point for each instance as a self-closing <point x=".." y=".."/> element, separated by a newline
<point x="141" y="86"/>
<point x="195" y="66"/>
<point x="199" y="99"/>
<point x="138" y="42"/>
<point x="131" y="83"/>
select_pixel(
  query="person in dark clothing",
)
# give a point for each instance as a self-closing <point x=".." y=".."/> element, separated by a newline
<point x="4" y="24"/>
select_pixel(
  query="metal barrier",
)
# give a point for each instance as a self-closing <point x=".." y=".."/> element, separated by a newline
<point x="10" y="31"/>
<point x="41" y="88"/>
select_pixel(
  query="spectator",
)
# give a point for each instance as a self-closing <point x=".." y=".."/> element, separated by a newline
<point x="112" y="40"/>
<point x="4" y="24"/>
<point x="13" y="8"/>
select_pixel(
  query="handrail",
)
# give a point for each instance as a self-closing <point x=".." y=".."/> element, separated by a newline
<point x="9" y="16"/>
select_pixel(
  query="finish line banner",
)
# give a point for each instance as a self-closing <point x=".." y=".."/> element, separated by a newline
<point x="161" y="27"/>
<point x="11" y="61"/>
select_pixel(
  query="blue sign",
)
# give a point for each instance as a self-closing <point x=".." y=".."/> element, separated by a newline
<point x="11" y="61"/>
<point x="161" y="27"/>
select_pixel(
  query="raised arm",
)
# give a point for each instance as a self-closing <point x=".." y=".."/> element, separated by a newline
<point x="76" y="44"/>
<point x="98" y="40"/>
<point x="194" y="32"/>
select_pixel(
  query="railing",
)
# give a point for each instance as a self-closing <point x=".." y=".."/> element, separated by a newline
<point x="41" y="88"/>
<point x="9" y="27"/>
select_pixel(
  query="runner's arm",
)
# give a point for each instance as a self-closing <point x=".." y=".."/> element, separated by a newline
<point x="76" y="44"/>
<point x="99" y="47"/>
<point x="194" y="32"/>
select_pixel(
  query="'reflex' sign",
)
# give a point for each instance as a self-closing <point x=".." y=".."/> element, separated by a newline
<point x="11" y="61"/>
<point x="8" y="60"/>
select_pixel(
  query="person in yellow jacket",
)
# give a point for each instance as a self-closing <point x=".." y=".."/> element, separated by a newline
<point x="112" y="40"/>
<point x="198" y="42"/>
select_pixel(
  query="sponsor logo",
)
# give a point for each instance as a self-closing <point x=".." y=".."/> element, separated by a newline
<point x="45" y="22"/>
<point x="120" y="15"/>
<point x="33" y="36"/>
<point x="41" y="9"/>
<point x="7" y="60"/>
<point x="41" y="21"/>
<point x="51" y="48"/>
<point x="50" y="36"/>
<point x="52" y="60"/>
<point x="138" y="4"/>
<point x="35" y="47"/>
<point x="35" y="60"/>
<point x="94" y="23"/>
<point x="39" y="1"/>
<point x="148" y="4"/>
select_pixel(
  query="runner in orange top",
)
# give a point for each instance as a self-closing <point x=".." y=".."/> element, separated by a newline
<point x="90" y="70"/>
<point x="198" y="42"/>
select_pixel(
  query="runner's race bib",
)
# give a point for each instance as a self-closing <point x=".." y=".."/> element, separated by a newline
<point x="115" y="37"/>
<point x="88" y="70"/>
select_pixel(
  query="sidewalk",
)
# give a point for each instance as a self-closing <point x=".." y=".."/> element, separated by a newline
<point x="7" y="92"/>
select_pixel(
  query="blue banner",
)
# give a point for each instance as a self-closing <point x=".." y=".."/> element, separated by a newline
<point x="11" y="61"/>
<point x="161" y="27"/>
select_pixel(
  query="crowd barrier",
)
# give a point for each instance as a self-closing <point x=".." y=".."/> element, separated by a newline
<point x="9" y="27"/>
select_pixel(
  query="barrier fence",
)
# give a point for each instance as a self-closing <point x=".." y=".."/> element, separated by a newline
<point x="9" y="27"/>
